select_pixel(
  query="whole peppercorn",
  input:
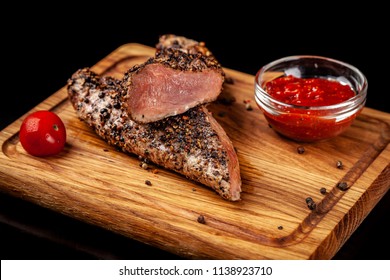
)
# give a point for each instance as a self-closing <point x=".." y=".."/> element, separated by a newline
<point x="342" y="186"/>
<point x="300" y="149"/>
<point x="147" y="182"/>
<point x="201" y="219"/>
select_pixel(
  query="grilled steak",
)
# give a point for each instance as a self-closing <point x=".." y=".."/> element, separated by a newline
<point x="192" y="143"/>
<point x="182" y="75"/>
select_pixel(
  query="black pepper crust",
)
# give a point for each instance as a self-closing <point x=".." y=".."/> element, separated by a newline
<point x="186" y="143"/>
<point x="181" y="43"/>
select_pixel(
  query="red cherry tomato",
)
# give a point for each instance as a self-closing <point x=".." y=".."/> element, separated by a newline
<point x="42" y="133"/>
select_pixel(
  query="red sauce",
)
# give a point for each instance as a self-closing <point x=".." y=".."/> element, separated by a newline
<point x="308" y="92"/>
<point x="304" y="124"/>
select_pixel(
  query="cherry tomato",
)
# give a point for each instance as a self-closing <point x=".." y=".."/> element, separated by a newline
<point x="42" y="133"/>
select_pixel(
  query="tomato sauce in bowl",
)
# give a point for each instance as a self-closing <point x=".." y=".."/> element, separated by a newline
<point x="308" y="91"/>
<point x="310" y="98"/>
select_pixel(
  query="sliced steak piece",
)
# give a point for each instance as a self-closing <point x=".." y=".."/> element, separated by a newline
<point x="171" y="83"/>
<point x="192" y="144"/>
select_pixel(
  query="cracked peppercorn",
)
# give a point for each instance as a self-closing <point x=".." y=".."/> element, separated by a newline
<point x="310" y="203"/>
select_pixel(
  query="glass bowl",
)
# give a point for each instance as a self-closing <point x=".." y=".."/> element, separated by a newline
<point x="299" y="117"/>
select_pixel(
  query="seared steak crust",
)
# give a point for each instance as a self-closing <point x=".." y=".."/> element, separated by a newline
<point x="192" y="143"/>
<point x="178" y="60"/>
<point x="183" y="44"/>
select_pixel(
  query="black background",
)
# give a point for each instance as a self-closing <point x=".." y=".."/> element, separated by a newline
<point x="43" y="46"/>
<point x="43" y="49"/>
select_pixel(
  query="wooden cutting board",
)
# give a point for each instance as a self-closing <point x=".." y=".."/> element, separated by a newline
<point x="97" y="184"/>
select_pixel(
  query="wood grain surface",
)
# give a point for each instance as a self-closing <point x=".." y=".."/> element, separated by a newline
<point x="93" y="182"/>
